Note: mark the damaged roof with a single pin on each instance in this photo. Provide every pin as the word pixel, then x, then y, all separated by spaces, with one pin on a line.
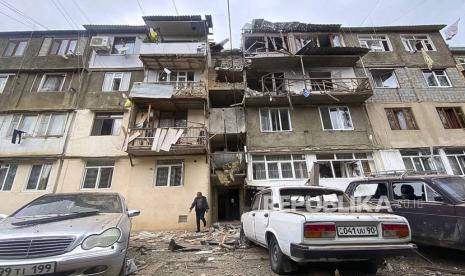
pixel 407 28
pixel 44 33
pixel 178 18
pixel 262 25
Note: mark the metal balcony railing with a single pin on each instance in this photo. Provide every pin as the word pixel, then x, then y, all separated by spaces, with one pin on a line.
pixel 192 137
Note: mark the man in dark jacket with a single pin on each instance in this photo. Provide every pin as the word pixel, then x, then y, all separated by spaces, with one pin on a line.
pixel 201 206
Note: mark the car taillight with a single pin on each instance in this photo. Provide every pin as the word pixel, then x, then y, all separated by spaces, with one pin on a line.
pixel 395 230
pixel 320 231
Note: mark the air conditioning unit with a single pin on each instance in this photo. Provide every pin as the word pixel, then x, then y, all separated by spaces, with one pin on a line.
pixel 100 43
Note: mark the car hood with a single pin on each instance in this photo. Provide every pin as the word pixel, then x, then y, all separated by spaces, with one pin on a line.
pixel 79 228
pixel 336 216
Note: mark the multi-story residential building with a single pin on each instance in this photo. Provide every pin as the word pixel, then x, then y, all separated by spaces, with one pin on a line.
pixel 41 78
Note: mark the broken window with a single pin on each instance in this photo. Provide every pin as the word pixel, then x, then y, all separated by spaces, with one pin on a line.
pixel 116 81
pixel 336 118
pixel 15 48
pixel 273 82
pixel 98 175
pixel 279 167
pixel 63 46
pixel 371 191
pixel 52 82
pixel 254 44
pixel 417 43
pixel 451 117
pixel 376 43
pixel 401 118
pixel 173 119
pixel 107 124
pixel 384 78
pixel 176 76
pixel 123 46
pixel 456 159
pixel 422 160
pixel 414 191
pixel 38 177
pixel 169 173
pixel 7 176
pixel 345 165
pixel 436 78
pixel 275 119
pixel 321 81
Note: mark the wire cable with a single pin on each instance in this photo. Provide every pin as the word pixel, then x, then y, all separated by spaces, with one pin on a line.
pixel 21 14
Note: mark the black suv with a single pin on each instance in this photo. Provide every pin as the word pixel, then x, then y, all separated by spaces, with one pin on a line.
pixel 433 205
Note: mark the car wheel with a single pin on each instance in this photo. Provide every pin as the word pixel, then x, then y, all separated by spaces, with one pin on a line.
pixel 123 268
pixel 280 263
pixel 369 267
pixel 243 240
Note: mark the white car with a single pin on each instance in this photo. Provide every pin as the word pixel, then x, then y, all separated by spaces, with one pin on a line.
pixel 311 223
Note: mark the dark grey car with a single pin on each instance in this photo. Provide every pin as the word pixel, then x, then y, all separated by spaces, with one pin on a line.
pixel 433 205
pixel 70 234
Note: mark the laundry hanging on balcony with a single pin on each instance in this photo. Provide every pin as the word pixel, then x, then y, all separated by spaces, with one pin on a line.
pixel 17 136
pixel 164 138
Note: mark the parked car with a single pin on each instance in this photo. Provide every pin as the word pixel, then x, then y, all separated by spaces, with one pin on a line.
pixel 2 216
pixel 433 205
pixel 78 234
pixel 291 223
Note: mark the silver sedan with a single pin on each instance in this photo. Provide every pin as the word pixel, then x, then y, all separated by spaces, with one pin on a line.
pixel 67 234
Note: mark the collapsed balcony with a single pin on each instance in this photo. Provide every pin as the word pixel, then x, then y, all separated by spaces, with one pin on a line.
pixel 227 168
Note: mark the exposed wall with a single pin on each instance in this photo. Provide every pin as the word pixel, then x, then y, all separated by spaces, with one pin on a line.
pixel 307 132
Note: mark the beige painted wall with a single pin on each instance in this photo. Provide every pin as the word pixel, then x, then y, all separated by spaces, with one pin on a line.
pixel 18 196
pixel 81 143
pixel 430 133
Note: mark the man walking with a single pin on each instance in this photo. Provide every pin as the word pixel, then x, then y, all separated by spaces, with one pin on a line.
pixel 201 207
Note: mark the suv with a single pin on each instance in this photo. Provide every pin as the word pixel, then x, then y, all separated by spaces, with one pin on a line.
pixel 433 205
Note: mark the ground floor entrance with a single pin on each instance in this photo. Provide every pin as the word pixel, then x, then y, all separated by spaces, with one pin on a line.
pixel 229 204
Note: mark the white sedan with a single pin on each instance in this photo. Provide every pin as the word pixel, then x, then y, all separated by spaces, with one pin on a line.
pixel 310 223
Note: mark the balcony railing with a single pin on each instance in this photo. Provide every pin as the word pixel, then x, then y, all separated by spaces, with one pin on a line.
pixel 190 138
pixel 284 86
pixel 168 89
pixel 173 48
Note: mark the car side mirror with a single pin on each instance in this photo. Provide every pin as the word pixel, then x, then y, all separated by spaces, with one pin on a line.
pixel 133 213
pixel 438 198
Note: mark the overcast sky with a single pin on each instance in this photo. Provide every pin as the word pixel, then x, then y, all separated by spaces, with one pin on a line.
pixel 345 12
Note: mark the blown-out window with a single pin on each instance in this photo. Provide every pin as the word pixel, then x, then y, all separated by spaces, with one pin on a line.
pixel 107 124
pixel 52 82
pixel 451 117
pixel 345 165
pixel 336 118
pixel 401 118
pixel 275 119
pixel 376 43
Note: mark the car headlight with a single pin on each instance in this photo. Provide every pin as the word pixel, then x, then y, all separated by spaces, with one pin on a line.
pixel 105 239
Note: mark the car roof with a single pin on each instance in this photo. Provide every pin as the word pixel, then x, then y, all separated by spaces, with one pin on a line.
pixel 416 177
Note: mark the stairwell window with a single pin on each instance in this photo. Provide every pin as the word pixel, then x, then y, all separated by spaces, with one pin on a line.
pixel 107 124
pixel 15 48
pixel 275 119
pixel 384 78
pixel 52 82
pixel 401 118
pixel 116 81
pixel 336 118
pixel 376 43
pixel 279 167
pixel 417 43
pixel 436 78
pixel 451 117
pixel 169 173
pixel 98 175
pixel 38 177
pixel 7 176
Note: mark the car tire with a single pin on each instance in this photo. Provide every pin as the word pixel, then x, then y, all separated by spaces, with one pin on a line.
pixel 280 263
pixel 243 240
pixel 369 267
pixel 123 268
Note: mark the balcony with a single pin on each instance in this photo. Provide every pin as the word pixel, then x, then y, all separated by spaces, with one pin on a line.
pixel 174 55
pixel 321 90
pixel 168 90
pixel 227 168
pixel 167 141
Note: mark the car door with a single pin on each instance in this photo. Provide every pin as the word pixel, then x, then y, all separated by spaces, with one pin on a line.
pixel 430 216
pixel 262 216
pixel 249 218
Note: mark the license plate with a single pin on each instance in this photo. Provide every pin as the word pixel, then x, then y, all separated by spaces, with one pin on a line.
pixel 26 270
pixel 357 231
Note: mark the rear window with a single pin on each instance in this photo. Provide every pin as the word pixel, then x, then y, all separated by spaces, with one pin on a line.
pixel 370 191
pixel 455 186
pixel 313 200
pixel 66 204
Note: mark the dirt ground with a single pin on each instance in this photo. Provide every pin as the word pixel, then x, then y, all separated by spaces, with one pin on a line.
pixel 221 257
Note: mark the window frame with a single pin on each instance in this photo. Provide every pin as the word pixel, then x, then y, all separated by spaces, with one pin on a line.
pixel 17 43
pixel 422 156
pixel 61 40
pixel 369 157
pixel 279 109
pixel 384 69
pixel 96 114
pixel 97 180
pixel 116 75
pixel 408 46
pixel 425 186
pixel 278 162
pixel 47 130
pixel 397 123
pixel 35 128
pixel 456 156
pixel 25 189
pixel 339 118
pixel 44 77
pixel 2 185
pixel 370 37
pixel 3 86
pixel 122 37
pixel 168 184
pixel 425 71
pixel 459 116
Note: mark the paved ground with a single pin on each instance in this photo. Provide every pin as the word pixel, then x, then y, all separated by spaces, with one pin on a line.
pixel 151 254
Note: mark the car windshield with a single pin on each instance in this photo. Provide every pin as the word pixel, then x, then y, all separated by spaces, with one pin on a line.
pixel 71 204
pixel 455 186
pixel 313 199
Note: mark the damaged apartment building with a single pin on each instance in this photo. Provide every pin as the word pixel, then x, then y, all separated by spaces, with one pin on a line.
pixel 159 112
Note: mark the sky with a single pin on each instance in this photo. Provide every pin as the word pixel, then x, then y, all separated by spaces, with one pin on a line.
pixel 71 14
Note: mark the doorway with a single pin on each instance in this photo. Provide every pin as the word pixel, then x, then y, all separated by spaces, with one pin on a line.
pixel 228 205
